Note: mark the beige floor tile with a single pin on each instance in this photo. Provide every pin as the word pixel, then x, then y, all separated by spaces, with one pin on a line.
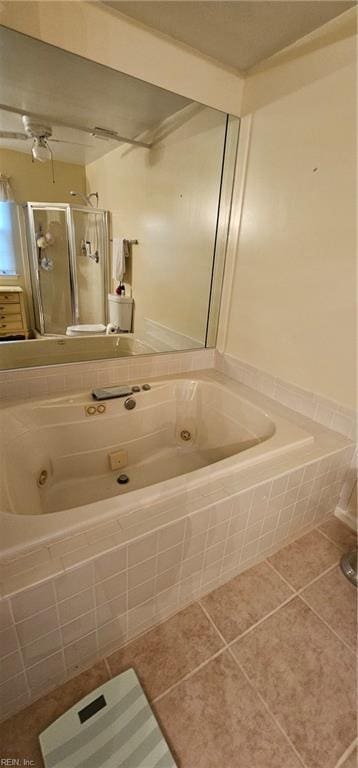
pixel 335 600
pixel 352 760
pixel 306 676
pixel 237 605
pixel 344 537
pixel 214 719
pixel 305 559
pixel 19 734
pixel 170 651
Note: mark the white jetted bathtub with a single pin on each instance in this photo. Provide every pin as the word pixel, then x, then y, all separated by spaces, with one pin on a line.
pixel 63 457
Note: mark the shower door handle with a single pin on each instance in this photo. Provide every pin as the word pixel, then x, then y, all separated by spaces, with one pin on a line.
pixel 73 266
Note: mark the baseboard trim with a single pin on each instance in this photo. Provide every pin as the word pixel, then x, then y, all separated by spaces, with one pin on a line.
pixel 173 339
pixel 346 517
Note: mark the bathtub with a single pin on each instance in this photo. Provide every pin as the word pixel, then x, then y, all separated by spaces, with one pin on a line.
pixel 57 473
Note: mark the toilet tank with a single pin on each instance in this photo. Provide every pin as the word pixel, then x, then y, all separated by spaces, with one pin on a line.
pixel 120 311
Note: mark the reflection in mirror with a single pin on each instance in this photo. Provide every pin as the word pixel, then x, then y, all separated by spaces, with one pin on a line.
pixel 114 208
pixel 69 266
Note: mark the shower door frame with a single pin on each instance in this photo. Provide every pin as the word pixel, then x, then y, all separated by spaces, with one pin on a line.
pixel 71 250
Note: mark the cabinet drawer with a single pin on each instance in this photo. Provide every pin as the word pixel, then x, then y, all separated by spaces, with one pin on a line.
pixel 13 323
pixel 9 309
pixel 9 298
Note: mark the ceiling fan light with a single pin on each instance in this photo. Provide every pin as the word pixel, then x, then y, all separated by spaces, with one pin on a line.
pixel 40 150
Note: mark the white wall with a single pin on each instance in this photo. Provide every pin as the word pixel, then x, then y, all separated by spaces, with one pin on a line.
pixel 167 198
pixel 33 181
pixel 293 307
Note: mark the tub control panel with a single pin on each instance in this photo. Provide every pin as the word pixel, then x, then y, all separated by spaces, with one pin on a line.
pixel 109 393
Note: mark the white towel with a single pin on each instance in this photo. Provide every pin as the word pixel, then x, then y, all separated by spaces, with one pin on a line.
pixel 119 254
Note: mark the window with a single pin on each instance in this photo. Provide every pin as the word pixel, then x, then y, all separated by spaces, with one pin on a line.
pixel 10 242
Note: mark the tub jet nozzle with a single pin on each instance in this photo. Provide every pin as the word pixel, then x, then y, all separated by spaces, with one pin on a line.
pixel 185 435
pixel 41 480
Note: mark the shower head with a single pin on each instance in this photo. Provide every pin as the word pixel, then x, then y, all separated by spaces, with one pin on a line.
pixel 85 198
pixel 79 194
pixel 93 194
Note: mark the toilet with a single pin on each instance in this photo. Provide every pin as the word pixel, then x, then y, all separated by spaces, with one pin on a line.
pixel 120 311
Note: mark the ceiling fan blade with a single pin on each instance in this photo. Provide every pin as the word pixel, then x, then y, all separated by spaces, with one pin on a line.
pixel 64 141
pixel 108 135
pixel 13 135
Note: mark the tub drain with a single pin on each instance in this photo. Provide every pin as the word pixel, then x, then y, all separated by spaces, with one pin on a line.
pixel 122 479
pixel 185 435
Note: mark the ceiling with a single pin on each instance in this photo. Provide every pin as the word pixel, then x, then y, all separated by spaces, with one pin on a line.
pixel 41 79
pixel 240 33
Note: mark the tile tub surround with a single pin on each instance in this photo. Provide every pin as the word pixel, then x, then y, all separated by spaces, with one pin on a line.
pixel 51 630
pixel 50 380
pixel 327 412
pixel 322 410
pixel 217 699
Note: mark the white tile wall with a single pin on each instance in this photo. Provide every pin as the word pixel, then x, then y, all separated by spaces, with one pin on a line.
pixel 327 412
pixel 75 377
pixel 322 410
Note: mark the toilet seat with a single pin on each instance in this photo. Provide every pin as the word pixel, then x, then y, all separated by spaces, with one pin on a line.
pixel 85 330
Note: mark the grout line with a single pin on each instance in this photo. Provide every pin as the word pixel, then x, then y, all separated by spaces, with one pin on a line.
pixel 346 754
pixel 19 647
pixel 301 589
pixel 327 625
pixel 213 623
pixel 264 703
pixel 32 615
pixel 317 578
pixel 45 658
pixel 260 621
pixel 294 591
pixel 329 538
pixel 94 601
pixel 62 649
pixel 108 669
pixel 188 675
pixel 71 621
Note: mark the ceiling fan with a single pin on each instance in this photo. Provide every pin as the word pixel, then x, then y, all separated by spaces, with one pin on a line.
pixel 40 134
pixel 36 128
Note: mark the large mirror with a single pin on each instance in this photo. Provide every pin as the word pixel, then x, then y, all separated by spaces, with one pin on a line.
pixel 114 207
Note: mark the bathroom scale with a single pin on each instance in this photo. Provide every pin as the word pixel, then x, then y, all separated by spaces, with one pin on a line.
pixel 112 727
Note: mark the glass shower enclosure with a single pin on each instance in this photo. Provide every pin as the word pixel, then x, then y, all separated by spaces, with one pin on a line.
pixel 68 250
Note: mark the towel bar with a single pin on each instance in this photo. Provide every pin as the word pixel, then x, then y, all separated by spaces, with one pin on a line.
pixel 131 242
